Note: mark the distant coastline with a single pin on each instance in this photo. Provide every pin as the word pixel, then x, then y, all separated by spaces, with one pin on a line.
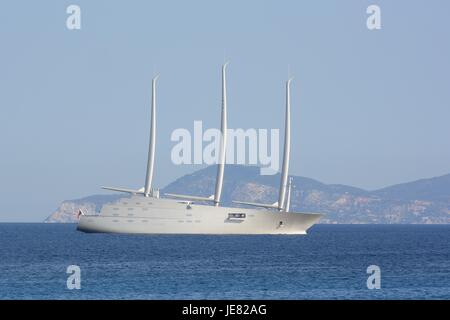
pixel 425 201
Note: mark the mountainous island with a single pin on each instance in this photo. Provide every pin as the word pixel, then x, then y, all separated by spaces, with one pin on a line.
pixel 425 201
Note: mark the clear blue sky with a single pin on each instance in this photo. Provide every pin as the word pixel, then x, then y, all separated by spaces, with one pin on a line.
pixel 371 108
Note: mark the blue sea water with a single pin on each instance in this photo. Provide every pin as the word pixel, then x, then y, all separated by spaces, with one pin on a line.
pixel 329 263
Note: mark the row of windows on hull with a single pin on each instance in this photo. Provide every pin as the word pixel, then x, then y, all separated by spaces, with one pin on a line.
pixel 180 221
pixel 134 204
pixel 236 216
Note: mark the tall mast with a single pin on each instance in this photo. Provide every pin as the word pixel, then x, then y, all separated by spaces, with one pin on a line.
pixel 151 147
pixel 287 148
pixel 223 140
pixel 222 152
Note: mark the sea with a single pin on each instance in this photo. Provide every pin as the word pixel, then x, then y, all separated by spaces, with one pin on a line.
pixel 54 261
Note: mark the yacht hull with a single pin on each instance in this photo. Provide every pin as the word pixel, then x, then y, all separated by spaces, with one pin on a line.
pixel 141 215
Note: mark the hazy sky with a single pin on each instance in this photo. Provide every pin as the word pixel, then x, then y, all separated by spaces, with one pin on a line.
pixel 370 108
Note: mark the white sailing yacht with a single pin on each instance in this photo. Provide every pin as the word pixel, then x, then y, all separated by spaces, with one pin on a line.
pixel 145 212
